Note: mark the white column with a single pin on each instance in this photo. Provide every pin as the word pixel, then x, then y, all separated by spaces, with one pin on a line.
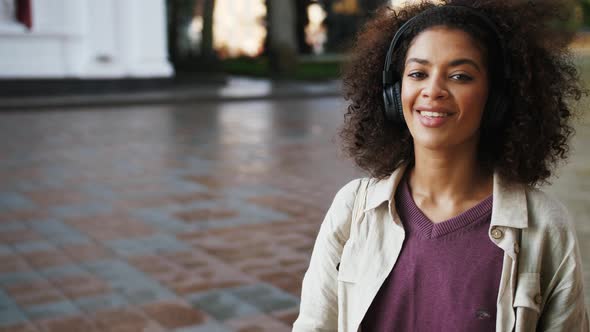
pixel 142 37
pixel 153 48
pixel 125 19
pixel 75 42
pixel 105 58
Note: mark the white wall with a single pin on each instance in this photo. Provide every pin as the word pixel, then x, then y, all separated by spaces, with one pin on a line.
pixel 87 39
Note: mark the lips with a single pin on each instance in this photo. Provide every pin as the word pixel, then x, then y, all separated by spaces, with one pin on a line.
pixel 434 114
pixel 433 117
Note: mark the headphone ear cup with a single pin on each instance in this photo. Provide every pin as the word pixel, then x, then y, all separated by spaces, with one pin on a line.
pixel 397 101
pixel 389 103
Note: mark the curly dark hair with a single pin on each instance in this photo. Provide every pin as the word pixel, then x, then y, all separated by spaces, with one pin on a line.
pixel 535 132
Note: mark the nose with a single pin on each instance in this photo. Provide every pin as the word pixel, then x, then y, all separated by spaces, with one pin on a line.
pixel 435 88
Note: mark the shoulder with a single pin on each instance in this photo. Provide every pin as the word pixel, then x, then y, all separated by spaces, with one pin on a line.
pixel 346 195
pixel 546 210
pixel 339 215
pixel 549 217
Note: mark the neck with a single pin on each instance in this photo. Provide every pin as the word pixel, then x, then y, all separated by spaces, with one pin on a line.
pixel 449 175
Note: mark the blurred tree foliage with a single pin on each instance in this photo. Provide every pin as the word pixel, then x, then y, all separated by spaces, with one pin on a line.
pixel 584 13
pixel 571 16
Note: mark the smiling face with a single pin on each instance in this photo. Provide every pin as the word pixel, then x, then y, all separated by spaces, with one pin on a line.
pixel 444 89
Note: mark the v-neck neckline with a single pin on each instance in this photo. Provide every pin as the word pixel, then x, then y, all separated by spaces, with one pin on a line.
pixel 424 226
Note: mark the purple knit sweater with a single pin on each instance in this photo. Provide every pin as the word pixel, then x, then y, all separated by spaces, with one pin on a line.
pixel 446 277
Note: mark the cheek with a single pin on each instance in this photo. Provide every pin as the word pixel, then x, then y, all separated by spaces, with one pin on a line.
pixel 408 97
pixel 475 103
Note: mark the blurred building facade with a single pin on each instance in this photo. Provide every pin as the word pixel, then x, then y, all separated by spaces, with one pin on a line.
pixel 83 39
pixel 96 39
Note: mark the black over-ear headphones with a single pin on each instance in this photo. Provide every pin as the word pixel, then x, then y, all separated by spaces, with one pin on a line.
pixel 497 100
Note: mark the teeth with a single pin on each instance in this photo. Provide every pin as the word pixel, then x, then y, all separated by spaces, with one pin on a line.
pixel 434 114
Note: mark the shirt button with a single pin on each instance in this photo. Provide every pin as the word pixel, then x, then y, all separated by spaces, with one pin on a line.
pixel 538 299
pixel 516 248
pixel 497 233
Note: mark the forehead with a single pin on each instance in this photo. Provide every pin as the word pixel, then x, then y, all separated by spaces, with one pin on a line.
pixel 444 42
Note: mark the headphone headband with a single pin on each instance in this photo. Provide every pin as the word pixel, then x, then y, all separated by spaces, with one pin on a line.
pixel 388 78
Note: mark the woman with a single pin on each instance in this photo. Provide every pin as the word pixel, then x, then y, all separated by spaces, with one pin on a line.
pixel 457 111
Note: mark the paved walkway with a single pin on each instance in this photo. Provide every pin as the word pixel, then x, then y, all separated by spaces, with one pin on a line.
pixel 197 217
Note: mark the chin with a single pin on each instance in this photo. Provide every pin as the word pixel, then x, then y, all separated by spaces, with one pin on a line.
pixel 438 142
pixel 432 142
pixel 435 146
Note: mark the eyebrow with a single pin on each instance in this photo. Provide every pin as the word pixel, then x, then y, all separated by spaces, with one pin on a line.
pixel 453 63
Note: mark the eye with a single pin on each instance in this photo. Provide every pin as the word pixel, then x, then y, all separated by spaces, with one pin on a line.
pixel 462 77
pixel 417 75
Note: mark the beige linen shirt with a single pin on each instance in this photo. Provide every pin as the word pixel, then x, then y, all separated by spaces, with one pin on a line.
pixel 541 284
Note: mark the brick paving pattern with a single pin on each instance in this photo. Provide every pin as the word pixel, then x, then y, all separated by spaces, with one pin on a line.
pixel 163 218
pixel 189 218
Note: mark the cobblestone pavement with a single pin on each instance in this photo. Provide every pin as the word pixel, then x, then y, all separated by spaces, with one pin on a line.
pixel 176 218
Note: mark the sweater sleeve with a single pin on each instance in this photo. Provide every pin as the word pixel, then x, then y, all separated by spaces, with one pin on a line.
pixel 319 295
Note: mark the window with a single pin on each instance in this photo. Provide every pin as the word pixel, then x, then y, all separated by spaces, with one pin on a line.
pixel 14 14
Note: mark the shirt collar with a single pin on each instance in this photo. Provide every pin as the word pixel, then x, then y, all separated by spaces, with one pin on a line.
pixel 384 190
pixel 509 207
